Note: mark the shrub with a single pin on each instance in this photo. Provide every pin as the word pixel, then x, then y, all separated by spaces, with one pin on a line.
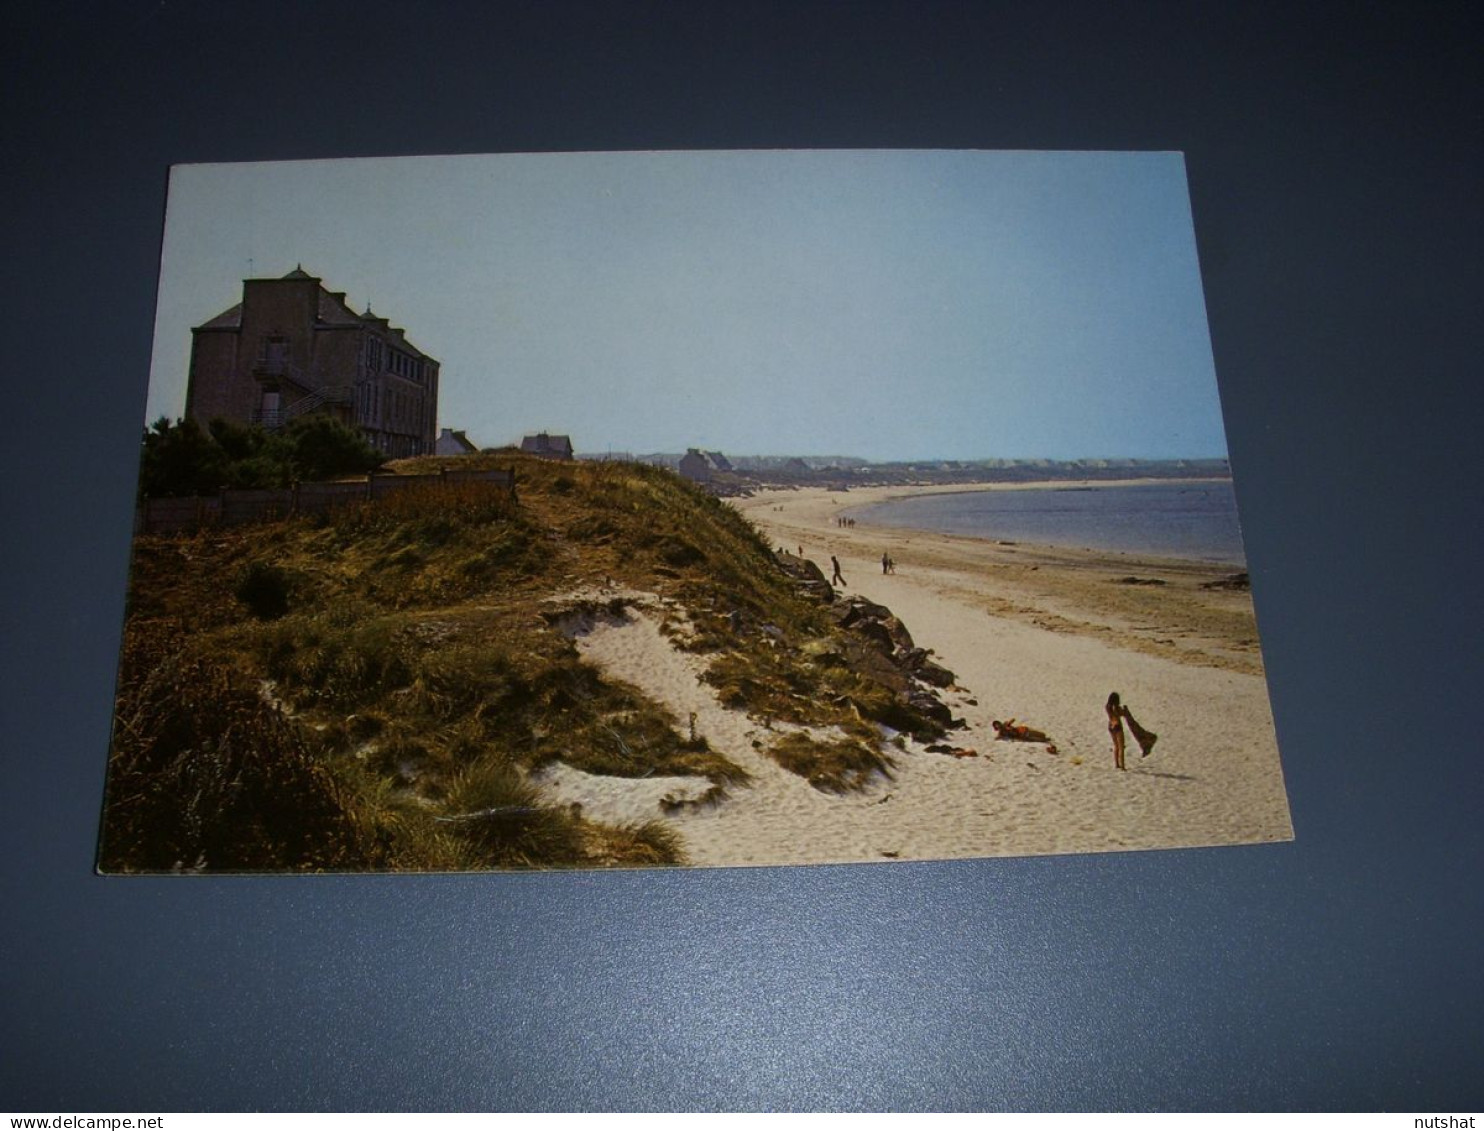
pixel 204 775
pixel 831 767
pixel 492 807
pixel 649 845
pixel 317 446
pixel 182 458
pixel 264 589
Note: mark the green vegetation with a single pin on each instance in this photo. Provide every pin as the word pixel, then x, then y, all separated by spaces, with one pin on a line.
pixel 375 688
pixel 184 459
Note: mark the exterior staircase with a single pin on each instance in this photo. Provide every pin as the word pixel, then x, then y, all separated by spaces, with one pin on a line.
pixel 326 394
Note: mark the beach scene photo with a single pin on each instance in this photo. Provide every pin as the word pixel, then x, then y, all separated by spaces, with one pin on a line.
pixel 712 509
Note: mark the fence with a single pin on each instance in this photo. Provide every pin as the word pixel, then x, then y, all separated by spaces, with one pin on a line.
pixel 234 507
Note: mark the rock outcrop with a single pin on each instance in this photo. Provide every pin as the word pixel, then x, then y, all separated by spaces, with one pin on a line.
pixel 877 645
pixel 886 653
pixel 810 578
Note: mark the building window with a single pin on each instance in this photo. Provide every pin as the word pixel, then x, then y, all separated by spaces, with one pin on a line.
pixel 275 354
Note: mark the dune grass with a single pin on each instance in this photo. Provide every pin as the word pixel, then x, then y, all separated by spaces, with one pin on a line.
pixel 206 776
pixel 372 688
pixel 831 766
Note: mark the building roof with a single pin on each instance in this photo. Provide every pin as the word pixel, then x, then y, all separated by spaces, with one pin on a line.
pixel 459 438
pixel 230 319
pixel 545 442
pixel 332 312
pixel 707 459
pixel 713 460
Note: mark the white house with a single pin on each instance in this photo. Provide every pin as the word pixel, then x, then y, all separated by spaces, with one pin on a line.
pixel 451 443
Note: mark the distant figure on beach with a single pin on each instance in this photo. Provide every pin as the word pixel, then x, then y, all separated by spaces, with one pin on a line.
pixel 1118 714
pixel 834 561
pixel 891 565
pixel 885 563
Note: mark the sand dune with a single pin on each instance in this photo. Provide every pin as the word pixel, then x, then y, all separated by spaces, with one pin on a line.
pixel 1041 635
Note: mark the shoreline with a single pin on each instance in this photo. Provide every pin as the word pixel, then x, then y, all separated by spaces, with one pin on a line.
pixel 1043 634
pixel 1035 634
pixel 893 494
pixel 1142 602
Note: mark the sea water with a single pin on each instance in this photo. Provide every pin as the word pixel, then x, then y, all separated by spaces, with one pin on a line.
pixel 1192 520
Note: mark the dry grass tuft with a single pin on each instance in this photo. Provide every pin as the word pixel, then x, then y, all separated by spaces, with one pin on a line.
pixel 204 775
pixel 839 766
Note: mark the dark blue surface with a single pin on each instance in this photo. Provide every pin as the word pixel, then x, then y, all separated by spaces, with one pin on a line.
pixel 1196 521
pixel 1335 166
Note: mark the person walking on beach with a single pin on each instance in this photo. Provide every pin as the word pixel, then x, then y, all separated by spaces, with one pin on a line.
pixel 834 561
pixel 1118 714
pixel 885 564
pixel 1115 728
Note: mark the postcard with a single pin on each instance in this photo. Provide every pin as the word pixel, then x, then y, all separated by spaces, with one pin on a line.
pixel 613 510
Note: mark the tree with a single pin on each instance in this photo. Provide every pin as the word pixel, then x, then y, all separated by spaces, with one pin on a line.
pixel 321 447
pixel 180 459
pixel 252 460
pixel 184 459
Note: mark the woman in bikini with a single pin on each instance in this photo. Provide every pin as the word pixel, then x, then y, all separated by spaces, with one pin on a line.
pixel 1115 728
pixel 1118 714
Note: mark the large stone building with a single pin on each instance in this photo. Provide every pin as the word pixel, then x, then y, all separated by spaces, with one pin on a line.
pixel 291 347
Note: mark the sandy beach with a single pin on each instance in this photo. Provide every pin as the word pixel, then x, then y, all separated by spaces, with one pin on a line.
pixel 1032 633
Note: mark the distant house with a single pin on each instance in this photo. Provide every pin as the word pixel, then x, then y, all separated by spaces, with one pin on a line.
pixel 547 446
pixel 451 443
pixel 701 467
pixel 291 348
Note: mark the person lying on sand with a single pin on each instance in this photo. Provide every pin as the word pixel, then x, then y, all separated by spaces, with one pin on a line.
pixel 1011 731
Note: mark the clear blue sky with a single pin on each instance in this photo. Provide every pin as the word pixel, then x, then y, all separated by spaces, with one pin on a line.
pixel 885 304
